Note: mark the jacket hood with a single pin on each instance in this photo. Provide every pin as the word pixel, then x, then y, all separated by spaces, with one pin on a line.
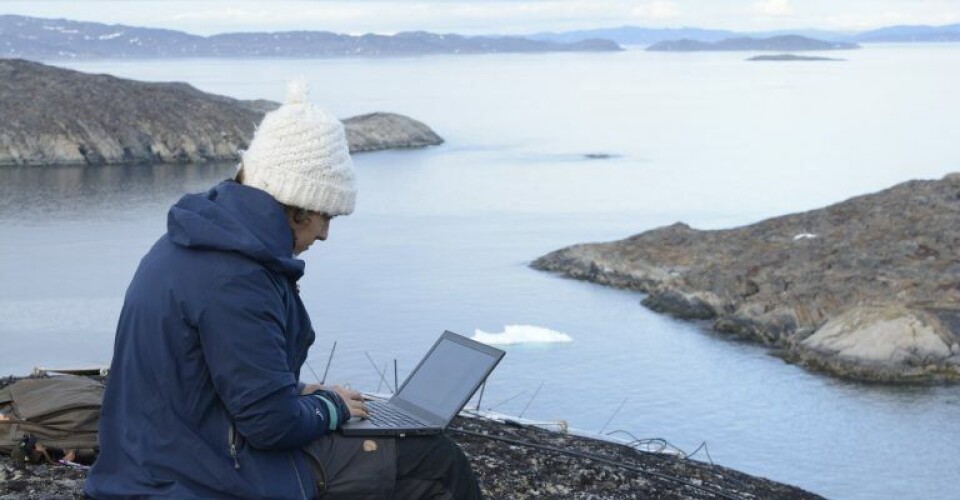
pixel 232 217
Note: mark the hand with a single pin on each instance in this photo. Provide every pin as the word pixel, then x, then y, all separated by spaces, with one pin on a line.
pixel 311 388
pixel 353 399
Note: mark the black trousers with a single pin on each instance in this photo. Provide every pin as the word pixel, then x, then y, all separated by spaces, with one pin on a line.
pixel 413 467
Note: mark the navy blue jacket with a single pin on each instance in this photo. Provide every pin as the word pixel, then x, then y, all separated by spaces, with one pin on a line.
pixel 202 399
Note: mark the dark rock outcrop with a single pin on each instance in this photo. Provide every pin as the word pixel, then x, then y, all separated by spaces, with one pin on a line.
pixel 866 289
pixel 55 116
pixel 778 43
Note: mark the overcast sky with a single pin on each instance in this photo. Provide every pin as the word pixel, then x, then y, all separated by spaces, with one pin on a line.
pixel 491 16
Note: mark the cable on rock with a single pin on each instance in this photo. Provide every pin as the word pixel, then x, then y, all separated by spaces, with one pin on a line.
pixel 588 456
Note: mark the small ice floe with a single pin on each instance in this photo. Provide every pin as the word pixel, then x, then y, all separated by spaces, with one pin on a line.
pixel 521 334
pixel 804 236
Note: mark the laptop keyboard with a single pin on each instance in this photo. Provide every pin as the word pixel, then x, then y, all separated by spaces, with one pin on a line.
pixel 382 414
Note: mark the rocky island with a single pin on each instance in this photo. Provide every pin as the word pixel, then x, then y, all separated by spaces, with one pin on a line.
pixel 866 289
pixel 790 43
pixel 55 116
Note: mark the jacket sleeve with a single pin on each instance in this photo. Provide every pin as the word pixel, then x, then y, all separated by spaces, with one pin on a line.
pixel 242 333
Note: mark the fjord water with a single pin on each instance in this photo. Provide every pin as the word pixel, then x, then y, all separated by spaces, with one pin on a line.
pixel 442 237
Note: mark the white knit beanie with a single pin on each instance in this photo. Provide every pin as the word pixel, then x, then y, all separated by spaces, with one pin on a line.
pixel 299 154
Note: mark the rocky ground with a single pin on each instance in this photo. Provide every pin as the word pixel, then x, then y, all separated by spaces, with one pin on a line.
pixel 866 289
pixel 527 462
pixel 40 481
pixel 512 463
pixel 55 116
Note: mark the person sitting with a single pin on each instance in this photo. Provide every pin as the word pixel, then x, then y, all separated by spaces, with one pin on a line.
pixel 204 397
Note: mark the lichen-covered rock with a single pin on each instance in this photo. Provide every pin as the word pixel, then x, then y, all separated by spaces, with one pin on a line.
pixel 779 280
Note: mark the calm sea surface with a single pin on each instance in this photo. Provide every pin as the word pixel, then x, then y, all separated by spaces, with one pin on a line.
pixel 442 238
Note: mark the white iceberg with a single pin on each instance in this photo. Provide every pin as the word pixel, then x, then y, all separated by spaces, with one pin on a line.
pixel 521 334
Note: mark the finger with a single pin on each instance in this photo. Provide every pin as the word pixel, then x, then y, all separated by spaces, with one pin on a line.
pixel 351 395
pixel 346 392
pixel 359 413
pixel 358 405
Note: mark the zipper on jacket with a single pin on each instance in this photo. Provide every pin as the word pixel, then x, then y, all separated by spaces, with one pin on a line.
pixel 232 440
pixel 303 493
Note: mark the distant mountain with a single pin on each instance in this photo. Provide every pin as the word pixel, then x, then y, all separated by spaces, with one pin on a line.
pixel 632 35
pixel 830 36
pixel 36 38
pixel 777 43
pixel 948 33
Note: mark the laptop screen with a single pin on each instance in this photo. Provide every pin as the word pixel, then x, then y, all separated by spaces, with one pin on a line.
pixel 448 376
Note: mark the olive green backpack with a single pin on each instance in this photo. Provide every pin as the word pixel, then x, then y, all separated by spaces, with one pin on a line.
pixel 60 412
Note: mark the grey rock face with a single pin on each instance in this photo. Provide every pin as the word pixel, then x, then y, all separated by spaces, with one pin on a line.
pixel 377 131
pixel 786 281
pixel 882 342
pixel 53 116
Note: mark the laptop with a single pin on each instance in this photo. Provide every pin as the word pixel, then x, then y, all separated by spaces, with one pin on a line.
pixel 434 393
